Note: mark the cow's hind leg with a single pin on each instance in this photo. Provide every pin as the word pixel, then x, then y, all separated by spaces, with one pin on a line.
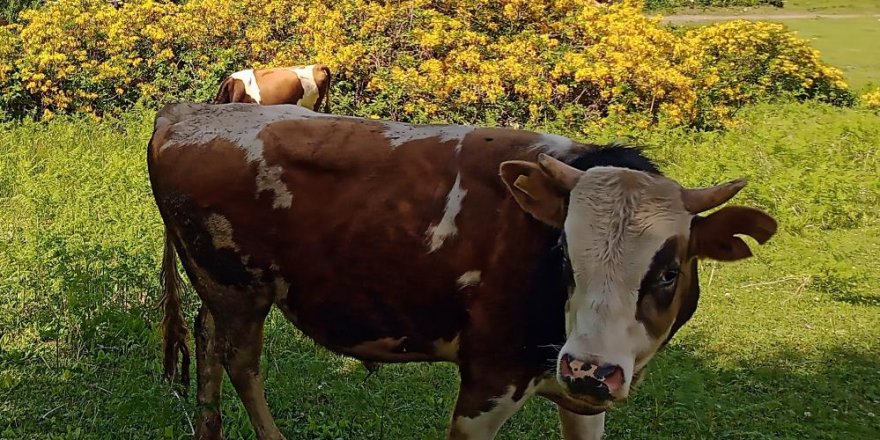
pixel 242 340
pixel 209 424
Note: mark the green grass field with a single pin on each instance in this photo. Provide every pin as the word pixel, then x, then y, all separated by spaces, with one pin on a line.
pixel 850 44
pixel 792 6
pixel 847 43
pixel 834 6
pixel 784 345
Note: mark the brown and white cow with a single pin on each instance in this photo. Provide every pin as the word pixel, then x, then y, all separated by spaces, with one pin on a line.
pixel 307 86
pixel 389 242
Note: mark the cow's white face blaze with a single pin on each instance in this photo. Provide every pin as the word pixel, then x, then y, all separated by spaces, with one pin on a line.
pixel 626 233
pixel 631 239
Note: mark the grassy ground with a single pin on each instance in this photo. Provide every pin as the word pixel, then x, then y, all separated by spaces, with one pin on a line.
pixel 784 345
pixel 834 6
pixel 850 44
pixel 792 6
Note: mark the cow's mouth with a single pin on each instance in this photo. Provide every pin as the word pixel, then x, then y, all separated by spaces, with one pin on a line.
pixel 582 404
pixel 588 406
pixel 592 401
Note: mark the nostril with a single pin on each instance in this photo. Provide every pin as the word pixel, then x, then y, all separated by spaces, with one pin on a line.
pixel 565 366
pixel 602 372
pixel 613 377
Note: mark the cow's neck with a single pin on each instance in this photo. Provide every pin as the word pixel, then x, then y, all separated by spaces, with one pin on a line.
pixel 526 288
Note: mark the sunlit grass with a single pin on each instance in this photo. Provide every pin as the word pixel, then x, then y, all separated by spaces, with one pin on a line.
pixel 783 346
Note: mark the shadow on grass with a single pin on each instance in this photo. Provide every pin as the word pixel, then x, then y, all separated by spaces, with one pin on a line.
pixel 781 394
pixel 858 299
pixel 847 289
pixel 116 392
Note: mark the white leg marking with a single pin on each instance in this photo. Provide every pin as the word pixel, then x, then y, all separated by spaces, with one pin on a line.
pixel 469 278
pixel 578 427
pixel 250 83
pixel 553 144
pixel 487 424
pixel 310 87
pixel 398 133
pixel 437 234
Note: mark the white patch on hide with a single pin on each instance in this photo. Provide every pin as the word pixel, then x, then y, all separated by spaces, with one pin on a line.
pixel 306 76
pixel 240 124
pixel 437 234
pixel 221 232
pixel 553 144
pixel 399 133
pixel 469 278
pixel 250 83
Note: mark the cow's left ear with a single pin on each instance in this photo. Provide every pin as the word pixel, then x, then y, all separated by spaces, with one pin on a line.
pixel 540 190
pixel 715 236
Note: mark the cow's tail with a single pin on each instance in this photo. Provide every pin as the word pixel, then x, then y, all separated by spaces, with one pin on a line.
pixel 327 93
pixel 223 95
pixel 174 330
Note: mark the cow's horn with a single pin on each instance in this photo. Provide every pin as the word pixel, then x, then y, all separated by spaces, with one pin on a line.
pixel 697 200
pixel 564 175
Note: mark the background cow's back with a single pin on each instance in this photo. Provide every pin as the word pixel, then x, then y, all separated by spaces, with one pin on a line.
pixel 307 86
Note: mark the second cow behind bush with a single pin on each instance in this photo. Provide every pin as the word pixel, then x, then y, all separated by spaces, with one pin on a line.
pixel 307 86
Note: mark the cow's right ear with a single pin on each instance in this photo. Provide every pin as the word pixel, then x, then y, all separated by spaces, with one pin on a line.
pixel 715 236
pixel 535 191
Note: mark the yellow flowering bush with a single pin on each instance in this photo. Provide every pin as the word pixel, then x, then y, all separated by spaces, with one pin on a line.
pixel 9 78
pixel 746 61
pixel 871 99
pixel 478 61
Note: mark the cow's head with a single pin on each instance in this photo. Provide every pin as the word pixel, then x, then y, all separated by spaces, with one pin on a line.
pixel 632 239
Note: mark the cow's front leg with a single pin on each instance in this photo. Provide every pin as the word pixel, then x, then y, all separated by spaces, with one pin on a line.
pixel 479 413
pixel 578 427
pixel 484 404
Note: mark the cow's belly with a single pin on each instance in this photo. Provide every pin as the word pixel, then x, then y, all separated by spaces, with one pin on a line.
pixel 372 339
pixel 363 281
pixel 392 349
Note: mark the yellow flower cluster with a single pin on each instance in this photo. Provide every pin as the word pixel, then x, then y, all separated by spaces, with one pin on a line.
pixel 871 99
pixel 490 61
pixel 744 61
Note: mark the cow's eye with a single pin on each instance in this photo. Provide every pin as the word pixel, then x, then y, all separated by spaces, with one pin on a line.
pixel 668 277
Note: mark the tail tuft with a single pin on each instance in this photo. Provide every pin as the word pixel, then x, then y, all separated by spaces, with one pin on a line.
pixel 173 325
